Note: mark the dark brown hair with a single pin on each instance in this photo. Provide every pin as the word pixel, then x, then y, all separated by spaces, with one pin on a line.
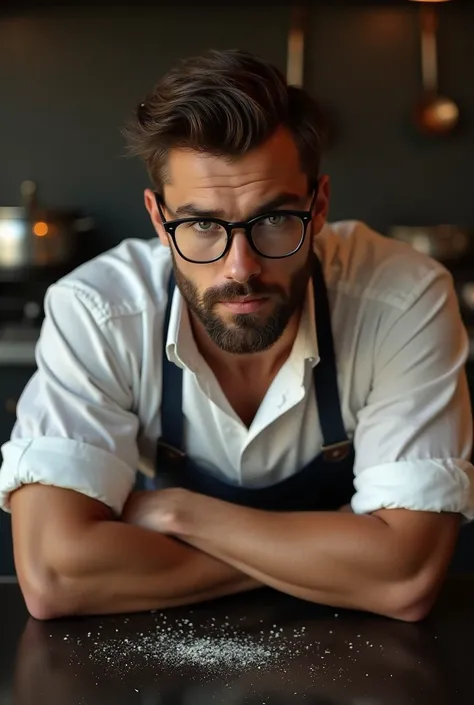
pixel 223 103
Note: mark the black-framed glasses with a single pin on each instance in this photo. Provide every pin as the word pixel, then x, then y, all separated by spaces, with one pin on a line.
pixel 275 235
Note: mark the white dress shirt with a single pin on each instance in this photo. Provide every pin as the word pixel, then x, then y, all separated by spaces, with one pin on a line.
pixel 90 415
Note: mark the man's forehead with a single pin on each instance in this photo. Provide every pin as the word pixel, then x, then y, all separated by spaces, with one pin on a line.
pixel 208 183
pixel 278 155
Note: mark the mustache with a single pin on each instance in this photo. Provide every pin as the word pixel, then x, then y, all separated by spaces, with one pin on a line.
pixel 235 290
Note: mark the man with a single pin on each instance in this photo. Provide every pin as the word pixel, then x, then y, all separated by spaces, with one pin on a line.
pixel 297 402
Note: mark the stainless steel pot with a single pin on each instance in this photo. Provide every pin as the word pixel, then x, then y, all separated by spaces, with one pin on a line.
pixel 31 236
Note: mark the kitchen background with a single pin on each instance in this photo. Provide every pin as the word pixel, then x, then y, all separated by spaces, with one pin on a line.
pixel 70 76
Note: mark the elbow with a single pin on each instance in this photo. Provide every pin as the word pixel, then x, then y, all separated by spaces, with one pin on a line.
pixel 46 605
pixel 412 611
pixel 47 597
pixel 409 603
pixel 40 608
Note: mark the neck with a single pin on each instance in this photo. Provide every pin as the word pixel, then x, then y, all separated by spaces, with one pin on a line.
pixel 260 365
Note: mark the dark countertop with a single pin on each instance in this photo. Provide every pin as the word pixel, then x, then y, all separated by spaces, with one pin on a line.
pixel 328 656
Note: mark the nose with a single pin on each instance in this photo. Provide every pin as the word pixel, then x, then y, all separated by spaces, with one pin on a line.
pixel 241 262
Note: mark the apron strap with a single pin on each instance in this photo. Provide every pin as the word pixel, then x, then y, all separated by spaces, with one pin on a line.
pixel 336 443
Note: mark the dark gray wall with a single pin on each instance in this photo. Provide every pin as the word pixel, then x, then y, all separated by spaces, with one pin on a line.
pixel 69 78
pixel 365 65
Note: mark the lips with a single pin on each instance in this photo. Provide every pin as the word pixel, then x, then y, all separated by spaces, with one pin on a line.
pixel 243 299
pixel 245 304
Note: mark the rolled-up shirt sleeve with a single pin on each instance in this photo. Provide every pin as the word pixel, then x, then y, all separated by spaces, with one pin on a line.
pixel 75 427
pixel 414 435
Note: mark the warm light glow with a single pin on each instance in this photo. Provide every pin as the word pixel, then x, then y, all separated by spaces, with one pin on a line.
pixel 448 112
pixel 40 229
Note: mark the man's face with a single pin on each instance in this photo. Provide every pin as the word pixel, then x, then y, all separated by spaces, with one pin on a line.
pixel 244 301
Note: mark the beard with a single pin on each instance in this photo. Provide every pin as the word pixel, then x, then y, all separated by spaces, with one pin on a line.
pixel 245 332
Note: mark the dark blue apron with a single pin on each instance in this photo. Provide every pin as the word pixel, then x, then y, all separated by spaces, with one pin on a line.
pixel 325 484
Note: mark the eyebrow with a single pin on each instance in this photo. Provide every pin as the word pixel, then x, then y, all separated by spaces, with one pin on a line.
pixel 282 199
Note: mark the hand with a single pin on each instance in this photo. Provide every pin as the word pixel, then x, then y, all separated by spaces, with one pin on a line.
pixel 139 509
pixel 160 510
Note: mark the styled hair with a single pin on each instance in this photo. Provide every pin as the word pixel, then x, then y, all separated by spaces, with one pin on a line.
pixel 223 103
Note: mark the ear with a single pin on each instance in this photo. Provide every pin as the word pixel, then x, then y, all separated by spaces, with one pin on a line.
pixel 152 208
pixel 321 208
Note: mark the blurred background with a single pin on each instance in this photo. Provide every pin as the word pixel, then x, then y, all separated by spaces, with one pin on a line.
pixel 399 155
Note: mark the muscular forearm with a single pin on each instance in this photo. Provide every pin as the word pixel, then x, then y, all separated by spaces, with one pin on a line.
pixel 73 558
pixel 122 568
pixel 335 558
pixel 287 553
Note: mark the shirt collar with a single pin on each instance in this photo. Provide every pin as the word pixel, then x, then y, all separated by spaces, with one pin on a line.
pixel 305 348
pixel 181 348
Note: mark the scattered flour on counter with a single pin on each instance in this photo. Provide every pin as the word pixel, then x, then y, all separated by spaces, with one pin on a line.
pixel 209 648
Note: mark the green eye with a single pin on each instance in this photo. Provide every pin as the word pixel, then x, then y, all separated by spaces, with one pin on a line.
pixel 204 225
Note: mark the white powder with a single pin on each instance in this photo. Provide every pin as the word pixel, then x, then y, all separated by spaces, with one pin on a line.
pixel 179 645
pixel 205 649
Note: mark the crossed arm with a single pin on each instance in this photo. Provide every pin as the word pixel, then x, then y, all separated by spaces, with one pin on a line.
pixel 174 547
pixel 391 562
